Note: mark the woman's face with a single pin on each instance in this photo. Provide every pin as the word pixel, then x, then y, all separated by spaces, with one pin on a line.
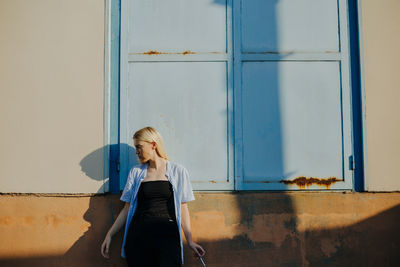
pixel 144 150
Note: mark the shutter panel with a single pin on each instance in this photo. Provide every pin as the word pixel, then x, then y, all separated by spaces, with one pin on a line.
pixel 175 76
pixel 295 95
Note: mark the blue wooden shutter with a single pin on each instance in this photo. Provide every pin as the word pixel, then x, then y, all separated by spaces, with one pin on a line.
pixel 176 76
pixel 292 72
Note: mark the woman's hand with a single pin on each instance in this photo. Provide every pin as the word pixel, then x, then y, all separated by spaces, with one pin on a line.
pixel 198 250
pixel 106 246
pixel 119 222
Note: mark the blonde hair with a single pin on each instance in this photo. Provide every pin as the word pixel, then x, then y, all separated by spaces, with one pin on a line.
pixel 150 135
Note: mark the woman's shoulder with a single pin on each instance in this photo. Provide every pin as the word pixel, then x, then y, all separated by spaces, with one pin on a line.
pixel 136 170
pixel 181 176
pixel 137 167
pixel 176 167
pixel 179 172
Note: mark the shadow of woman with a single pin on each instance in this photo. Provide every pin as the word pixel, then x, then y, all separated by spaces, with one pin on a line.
pixel 92 165
pixel 101 214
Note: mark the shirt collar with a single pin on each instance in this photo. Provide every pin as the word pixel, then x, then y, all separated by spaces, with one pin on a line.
pixel 167 172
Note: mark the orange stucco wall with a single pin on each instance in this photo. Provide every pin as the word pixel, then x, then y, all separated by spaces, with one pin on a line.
pixel 236 229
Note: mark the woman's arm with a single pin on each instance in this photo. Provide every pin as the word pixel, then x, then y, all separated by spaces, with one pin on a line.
pixel 187 231
pixel 119 222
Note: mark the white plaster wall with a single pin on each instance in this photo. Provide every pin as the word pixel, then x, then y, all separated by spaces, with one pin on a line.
pixel 51 95
pixel 381 41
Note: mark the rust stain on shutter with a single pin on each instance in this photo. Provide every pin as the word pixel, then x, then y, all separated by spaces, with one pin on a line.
pixel 154 52
pixel 188 52
pixel 303 182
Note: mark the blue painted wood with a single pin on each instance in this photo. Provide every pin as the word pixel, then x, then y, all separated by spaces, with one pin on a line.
pixel 178 57
pixel 292 124
pixel 263 88
pixel 230 95
pixel 289 26
pixel 107 92
pixel 113 146
pixel 295 99
pixel 362 107
pixel 124 138
pixel 175 26
pixel 176 75
pixel 191 113
pixel 237 81
pixel 358 138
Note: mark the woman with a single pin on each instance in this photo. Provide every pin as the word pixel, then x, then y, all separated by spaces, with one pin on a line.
pixel 156 195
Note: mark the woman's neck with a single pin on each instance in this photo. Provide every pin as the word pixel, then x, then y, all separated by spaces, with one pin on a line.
pixel 157 163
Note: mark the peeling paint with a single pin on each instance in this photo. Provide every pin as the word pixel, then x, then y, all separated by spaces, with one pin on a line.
pixel 303 182
pixel 53 220
pixel 266 228
pixel 329 246
pixel 16 220
pixel 5 220
pixel 221 229
pixel 28 220
pixel 154 52
pixel 270 228
pixel 235 229
pixel 188 52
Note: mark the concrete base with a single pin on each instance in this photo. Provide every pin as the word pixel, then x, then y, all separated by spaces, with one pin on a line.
pixel 236 229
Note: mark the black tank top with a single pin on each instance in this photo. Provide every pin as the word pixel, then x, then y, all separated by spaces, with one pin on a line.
pixel 155 200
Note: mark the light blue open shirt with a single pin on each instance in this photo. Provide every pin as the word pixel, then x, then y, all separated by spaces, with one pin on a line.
pixel 177 175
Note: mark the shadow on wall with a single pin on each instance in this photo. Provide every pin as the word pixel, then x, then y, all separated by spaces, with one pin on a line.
pixel 92 164
pixel 371 242
pixel 244 229
pixel 85 251
pixel 265 234
pixel 102 212
pixel 270 236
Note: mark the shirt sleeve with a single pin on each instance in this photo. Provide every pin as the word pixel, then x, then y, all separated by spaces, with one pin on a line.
pixel 128 189
pixel 187 191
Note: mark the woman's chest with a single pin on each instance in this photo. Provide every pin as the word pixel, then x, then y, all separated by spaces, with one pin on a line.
pixel 152 175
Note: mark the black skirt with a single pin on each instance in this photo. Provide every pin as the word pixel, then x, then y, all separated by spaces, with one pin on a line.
pixel 153 242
